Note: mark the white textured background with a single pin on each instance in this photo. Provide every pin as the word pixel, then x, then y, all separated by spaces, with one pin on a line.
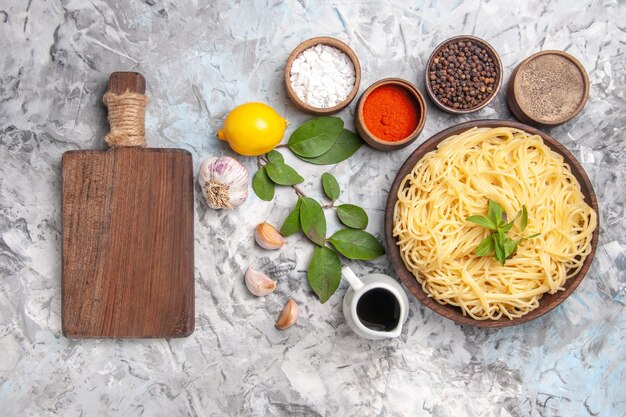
pixel 200 59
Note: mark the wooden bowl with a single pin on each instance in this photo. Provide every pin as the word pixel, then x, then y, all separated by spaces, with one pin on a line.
pixel 369 137
pixel 336 43
pixel 548 301
pixel 490 51
pixel 514 89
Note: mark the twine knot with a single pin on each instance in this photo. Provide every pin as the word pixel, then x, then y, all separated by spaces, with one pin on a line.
pixel 127 118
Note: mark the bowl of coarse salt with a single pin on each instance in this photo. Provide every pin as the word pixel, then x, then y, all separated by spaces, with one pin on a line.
pixel 322 75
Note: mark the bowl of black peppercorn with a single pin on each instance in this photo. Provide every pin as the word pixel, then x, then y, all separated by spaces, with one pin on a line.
pixel 463 74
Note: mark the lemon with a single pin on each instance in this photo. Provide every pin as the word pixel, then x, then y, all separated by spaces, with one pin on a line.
pixel 253 129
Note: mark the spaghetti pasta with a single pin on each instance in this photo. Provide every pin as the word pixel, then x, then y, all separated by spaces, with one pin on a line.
pixel 512 168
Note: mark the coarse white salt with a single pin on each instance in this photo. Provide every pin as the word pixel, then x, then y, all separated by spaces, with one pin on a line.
pixel 322 76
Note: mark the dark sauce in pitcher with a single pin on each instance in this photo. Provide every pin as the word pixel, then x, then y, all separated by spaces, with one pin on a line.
pixel 378 309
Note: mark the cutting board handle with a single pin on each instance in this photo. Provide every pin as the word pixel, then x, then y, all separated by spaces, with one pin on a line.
pixel 126 103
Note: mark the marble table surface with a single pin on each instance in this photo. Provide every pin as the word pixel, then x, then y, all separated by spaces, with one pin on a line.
pixel 201 58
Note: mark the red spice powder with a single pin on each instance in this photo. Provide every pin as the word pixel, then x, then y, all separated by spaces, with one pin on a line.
pixel 391 113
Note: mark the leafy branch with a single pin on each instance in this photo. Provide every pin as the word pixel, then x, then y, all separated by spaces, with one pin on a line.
pixel 497 242
pixel 322 140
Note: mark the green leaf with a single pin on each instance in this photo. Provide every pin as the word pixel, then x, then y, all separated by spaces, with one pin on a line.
pixel 482 221
pixel 262 185
pixel 485 247
pixel 347 144
pixel 313 221
pixel 283 174
pixel 510 247
pixel 331 186
pixel 291 225
pixel 499 249
pixel 356 244
pixel 324 272
pixel 352 216
pixel 316 136
pixel 275 156
pixel 494 212
pixel 524 221
pixel 507 226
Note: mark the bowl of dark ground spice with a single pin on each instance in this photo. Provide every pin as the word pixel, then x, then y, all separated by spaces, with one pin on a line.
pixel 463 74
pixel 548 88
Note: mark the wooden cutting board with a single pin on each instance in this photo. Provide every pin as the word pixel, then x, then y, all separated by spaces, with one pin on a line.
pixel 128 257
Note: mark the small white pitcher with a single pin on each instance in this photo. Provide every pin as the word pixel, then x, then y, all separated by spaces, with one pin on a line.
pixel 358 288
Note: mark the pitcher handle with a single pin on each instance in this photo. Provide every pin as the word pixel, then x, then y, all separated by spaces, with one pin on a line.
pixel 352 279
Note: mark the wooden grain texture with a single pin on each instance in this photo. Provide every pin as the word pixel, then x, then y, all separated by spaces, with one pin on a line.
pixel 128 258
pixel 549 301
pixel 491 51
pixel 120 82
pixel 369 137
pixel 335 43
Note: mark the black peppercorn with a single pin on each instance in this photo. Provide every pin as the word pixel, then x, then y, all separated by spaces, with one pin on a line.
pixel 463 75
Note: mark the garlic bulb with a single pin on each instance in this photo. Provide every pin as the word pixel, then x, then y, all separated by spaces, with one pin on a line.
pixel 268 237
pixel 258 283
pixel 289 316
pixel 224 182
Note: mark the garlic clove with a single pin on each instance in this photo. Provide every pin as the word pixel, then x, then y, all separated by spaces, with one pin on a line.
pixel 224 182
pixel 268 237
pixel 258 283
pixel 289 316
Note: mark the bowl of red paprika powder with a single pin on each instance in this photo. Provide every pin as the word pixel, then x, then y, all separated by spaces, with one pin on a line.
pixel 390 114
